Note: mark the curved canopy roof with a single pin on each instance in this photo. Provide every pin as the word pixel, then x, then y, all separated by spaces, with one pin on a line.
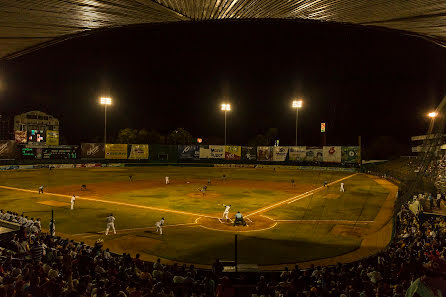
pixel 26 25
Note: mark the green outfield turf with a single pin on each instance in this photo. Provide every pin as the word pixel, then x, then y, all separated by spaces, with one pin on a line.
pixel 287 233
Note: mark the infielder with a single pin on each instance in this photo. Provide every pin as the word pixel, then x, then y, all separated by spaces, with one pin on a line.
pixel 167 180
pixel 159 226
pixel 73 199
pixel 325 183
pixel 226 212
pixel 41 190
pixel 110 224
pixel 341 189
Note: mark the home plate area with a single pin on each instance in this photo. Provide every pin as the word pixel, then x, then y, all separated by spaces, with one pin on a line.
pixel 256 223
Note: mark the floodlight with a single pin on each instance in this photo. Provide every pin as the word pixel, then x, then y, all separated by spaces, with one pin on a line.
pixel 432 114
pixel 297 103
pixel 226 107
pixel 106 101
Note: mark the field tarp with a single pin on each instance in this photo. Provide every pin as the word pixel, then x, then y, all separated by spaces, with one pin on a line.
pixel 297 153
pixel 314 154
pixel 205 153
pixel 332 154
pixel 93 150
pixel 233 152
pixel 350 154
pixel 280 153
pixel 189 152
pixel 217 151
pixel 115 151
pixel 138 151
pixel 249 153
pixel 264 153
pixel 7 149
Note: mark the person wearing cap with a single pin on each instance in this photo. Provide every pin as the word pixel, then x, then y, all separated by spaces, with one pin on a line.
pixel 159 226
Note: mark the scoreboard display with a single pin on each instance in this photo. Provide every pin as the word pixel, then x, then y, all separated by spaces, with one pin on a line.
pixel 49 153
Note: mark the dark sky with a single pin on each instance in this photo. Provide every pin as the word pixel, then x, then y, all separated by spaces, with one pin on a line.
pixel 359 81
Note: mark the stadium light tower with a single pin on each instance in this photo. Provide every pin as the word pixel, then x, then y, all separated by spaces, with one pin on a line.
pixel 105 101
pixel 297 104
pixel 432 114
pixel 225 107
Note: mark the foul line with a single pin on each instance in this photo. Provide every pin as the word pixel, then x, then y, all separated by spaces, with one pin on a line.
pixel 135 229
pixel 113 202
pixel 298 197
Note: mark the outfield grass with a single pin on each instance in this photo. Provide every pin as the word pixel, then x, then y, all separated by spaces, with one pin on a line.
pixel 246 189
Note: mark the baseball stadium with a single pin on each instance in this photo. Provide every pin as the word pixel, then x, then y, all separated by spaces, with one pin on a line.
pixel 222 148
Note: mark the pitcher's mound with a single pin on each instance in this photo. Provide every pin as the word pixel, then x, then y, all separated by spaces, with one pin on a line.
pixel 55 203
pixel 332 196
pixel 200 195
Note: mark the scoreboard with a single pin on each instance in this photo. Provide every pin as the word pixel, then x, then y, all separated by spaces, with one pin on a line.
pixel 49 153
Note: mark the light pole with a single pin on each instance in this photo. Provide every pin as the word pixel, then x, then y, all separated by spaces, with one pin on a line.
pixel 105 101
pixel 225 107
pixel 297 104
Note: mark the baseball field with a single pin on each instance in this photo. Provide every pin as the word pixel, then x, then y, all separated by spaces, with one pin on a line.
pixel 286 222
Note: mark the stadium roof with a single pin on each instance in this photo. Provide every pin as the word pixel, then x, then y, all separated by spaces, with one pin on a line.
pixel 26 25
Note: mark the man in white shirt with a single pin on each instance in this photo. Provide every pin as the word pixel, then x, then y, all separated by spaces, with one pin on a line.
pixel 73 199
pixel 341 189
pixel 110 224
pixel 159 226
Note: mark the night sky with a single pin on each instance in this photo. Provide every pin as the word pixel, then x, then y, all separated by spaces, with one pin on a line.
pixel 360 81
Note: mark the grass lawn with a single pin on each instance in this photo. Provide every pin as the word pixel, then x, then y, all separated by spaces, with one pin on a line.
pixel 246 189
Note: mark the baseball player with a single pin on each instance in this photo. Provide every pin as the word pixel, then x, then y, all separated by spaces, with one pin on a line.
pixel 226 212
pixel 159 226
pixel 292 183
pixel 41 189
pixel 341 189
pixel 130 177
pixel 167 180
pixel 325 183
pixel 73 199
pixel 110 224
pixel 203 190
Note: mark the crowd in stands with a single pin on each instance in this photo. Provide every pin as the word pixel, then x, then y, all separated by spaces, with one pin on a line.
pixel 36 264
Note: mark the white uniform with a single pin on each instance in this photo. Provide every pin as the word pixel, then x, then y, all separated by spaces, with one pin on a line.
pixel 159 226
pixel 41 189
pixel 73 199
pixel 226 212
pixel 341 189
pixel 110 224
pixel 167 180
pixel 54 229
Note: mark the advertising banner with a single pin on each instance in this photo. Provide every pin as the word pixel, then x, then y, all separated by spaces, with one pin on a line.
pixel 217 151
pixel 314 154
pixel 115 151
pixel 249 153
pixel 280 153
pixel 138 151
pixel 60 152
pixel 297 153
pixel 52 137
pixel 189 152
pixel 233 152
pixel 264 153
pixel 93 150
pixel 332 154
pixel 7 149
pixel 350 154
pixel 20 136
pixel 205 153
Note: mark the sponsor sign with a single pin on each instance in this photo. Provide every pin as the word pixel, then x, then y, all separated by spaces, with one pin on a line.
pixel 314 154
pixel 332 154
pixel 205 153
pixel 249 153
pixel 189 152
pixel 20 136
pixel 139 151
pixel 280 153
pixel 7 149
pixel 115 151
pixel 233 152
pixel 264 153
pixel 93 150
pixel 52 137
pixel 350 154
pixel 297 153
pixel 322 127
pixel 217 151
pixel 62 152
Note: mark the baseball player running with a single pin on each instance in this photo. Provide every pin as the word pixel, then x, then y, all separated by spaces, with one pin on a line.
pixel 341 189
pixel 167 180
pixel 159 226
pixel 226 212
pixel 73 199
pixel 110 224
